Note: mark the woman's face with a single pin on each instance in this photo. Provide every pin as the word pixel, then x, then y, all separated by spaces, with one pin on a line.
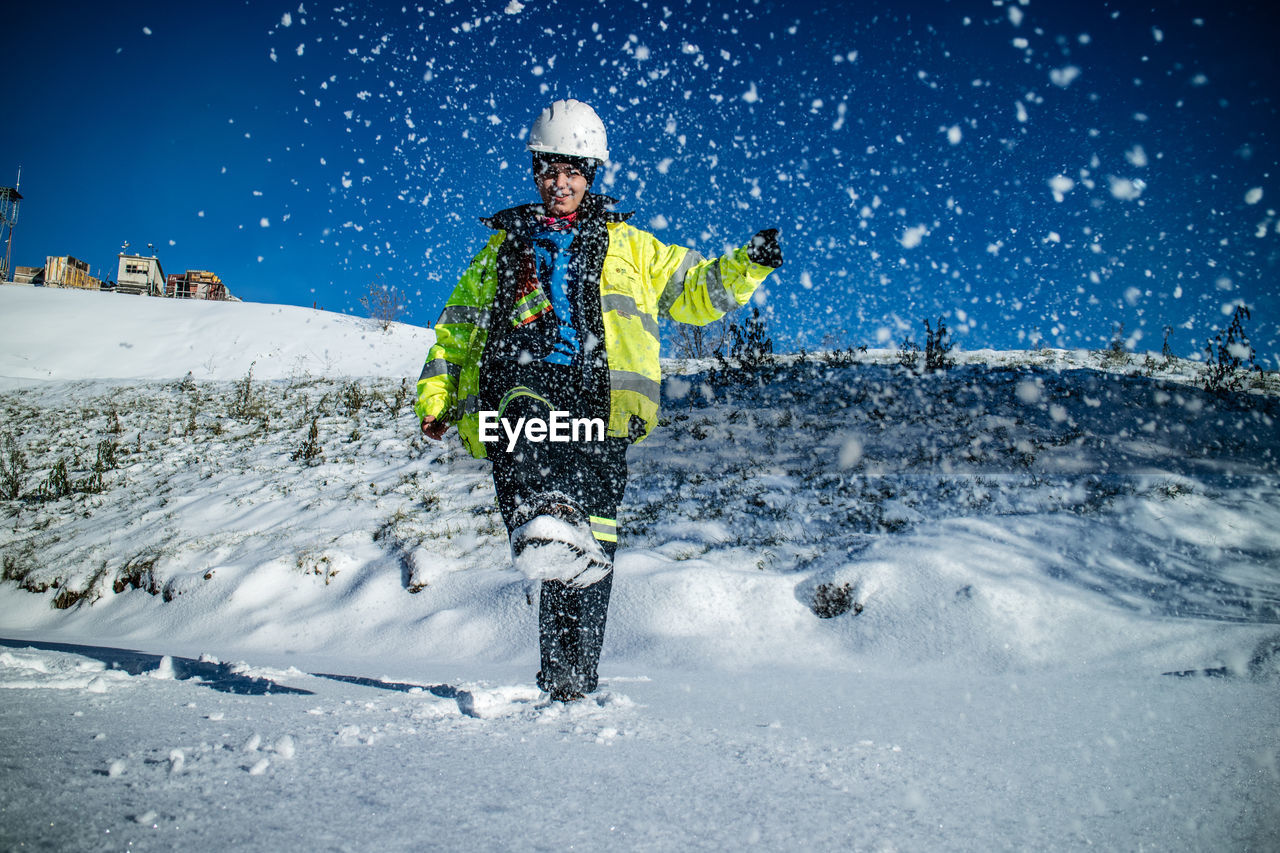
pixel 562 188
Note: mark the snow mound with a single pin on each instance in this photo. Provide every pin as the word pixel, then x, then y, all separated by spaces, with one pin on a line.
pixel 55 334
pixel 33 669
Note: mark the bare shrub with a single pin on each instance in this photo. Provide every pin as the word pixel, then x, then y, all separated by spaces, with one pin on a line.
pixel 13 469
pixel 909 354
pixel 831 600
pixel 1228 362
pixel 1116 352
pixel 58 483
pixel 937 347
pixel 246 403
pixel 353 399
pixel 750 353
pixel 689 341
pixel 382 304
pixel 309 451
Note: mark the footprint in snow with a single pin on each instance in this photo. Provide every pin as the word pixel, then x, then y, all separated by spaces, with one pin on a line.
pixel 487 703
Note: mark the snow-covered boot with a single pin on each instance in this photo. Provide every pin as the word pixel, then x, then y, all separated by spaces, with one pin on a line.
pixel 555 543
pixel 566 694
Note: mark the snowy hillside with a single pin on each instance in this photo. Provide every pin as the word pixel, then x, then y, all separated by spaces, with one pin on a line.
pixel 53 334
pixel 1012 605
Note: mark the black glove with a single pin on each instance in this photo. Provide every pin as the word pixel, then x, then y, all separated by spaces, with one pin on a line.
pixel 764 249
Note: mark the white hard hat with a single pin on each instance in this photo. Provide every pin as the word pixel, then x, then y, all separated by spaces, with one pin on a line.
pixel 571 128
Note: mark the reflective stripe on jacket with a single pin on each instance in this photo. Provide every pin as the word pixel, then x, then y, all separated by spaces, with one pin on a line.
pixel 642 279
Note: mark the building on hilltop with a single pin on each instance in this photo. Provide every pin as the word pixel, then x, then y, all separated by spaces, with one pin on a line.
pixel 28 275
pixel 140 275
pixel 197 284
pixel 66 271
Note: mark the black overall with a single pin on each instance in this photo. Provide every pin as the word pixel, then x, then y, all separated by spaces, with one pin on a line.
pixel 590 474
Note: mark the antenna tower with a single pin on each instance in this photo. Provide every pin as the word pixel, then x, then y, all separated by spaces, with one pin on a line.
pixel 9 198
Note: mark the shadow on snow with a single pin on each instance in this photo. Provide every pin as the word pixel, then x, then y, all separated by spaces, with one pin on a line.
pixel 223 678
pixel 218 676
pixel 444 691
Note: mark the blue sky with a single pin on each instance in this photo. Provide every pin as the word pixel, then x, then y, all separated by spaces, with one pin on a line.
pixel 1033 172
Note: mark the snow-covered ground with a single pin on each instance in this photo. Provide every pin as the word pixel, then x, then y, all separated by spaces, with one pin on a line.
pixel 54 334
pixel 1049 598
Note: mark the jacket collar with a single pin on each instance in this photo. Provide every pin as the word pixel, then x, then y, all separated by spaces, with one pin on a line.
pixel 523 220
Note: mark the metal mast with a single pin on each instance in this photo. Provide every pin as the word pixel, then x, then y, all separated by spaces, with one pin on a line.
pixel 9 198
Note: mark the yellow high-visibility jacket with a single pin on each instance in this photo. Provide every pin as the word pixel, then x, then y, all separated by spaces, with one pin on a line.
pixel 641 279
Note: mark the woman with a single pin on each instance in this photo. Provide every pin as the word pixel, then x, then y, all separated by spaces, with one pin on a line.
pixel 555 323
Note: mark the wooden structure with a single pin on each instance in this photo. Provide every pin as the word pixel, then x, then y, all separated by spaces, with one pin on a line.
pixel 66 271
pixel 196 284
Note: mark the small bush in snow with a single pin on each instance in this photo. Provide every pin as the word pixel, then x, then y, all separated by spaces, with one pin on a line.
pixel 1116 353
pixel 398 398
pixel 320 566
pixel 909 354
pixel 352 398
pixel 383 304
pixel 13 469
pixel 309 451
pixel 844 357
pixel 699 341
pixel 937 347
pixel 94 484
pixel 831 600
pixel 104 462
pixel 58 483
pixel 750 353
pixel 245 403
pixel 1228 362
